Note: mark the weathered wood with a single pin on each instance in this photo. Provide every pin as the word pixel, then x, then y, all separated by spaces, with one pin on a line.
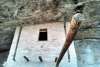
pixel 19 33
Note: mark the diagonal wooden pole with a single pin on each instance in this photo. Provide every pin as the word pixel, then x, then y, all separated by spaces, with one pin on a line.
pixel 17 44
pixel 65 21
pixel 72 30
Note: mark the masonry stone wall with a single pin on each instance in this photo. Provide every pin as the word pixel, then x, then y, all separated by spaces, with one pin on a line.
pixel 87 51
pixel 87 45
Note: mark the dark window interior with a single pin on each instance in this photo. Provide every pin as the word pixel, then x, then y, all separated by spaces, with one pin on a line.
pixel 43 35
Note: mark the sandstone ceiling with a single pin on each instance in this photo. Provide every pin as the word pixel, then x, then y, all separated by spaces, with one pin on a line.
pixel 40 11
pixel 29 11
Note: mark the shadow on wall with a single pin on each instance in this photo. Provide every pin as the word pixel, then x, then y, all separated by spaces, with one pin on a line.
pixel 6 36
pixel 3 57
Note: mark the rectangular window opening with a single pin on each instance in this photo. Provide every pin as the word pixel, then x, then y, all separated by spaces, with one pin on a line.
pixel 43 36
